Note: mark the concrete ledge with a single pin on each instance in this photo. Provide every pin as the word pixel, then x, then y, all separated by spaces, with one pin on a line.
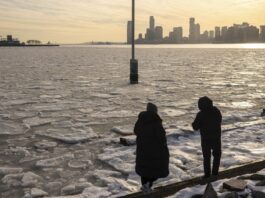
pixel 164 191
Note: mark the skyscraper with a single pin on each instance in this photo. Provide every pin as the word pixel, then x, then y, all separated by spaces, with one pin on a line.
pixel 158 33
pixel 177 34
pixel 197 32
pixel 150 32
pixel 224 32
pixel 211 35
pixel 192 30
pixel 205 37
pixel 140 37
pixel 152 23
pixel 129 32
pixel 251 34
pixel 262 33
pixel 217 33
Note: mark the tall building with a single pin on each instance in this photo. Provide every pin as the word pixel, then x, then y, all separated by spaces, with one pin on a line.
pixel 140 37
pixel 205 37
pixel 211 35
pixel 251 34
pixel 129 32
pixel 150 32
pixel 152 23
pixel 158 33
pixel 197 32
pixel 150 35
pixel 242 33
pixel 171 37
pixel 177 35
pixel 224 32
pixel 192 30
pixel 217 33
pixel 262 33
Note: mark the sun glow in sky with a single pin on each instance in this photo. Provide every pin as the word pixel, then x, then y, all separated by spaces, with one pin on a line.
pixel 76 21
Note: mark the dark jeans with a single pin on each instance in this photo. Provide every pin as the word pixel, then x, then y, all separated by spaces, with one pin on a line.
pixel 211 147
pixel 144 180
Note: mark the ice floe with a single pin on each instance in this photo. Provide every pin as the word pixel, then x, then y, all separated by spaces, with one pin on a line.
pixel 28 179
pixel 37 121
pixel 11 128
pixel 54 162
pixel 69 136
pixel 8 170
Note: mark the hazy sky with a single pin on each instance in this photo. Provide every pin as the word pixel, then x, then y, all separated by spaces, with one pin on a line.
pixel 75 21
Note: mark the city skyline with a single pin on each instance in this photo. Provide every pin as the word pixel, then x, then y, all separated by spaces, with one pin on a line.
pixel 87 20
pixel 237 33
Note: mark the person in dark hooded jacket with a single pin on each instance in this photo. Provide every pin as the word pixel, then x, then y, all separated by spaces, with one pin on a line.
pixel 208 121
pixel 152 155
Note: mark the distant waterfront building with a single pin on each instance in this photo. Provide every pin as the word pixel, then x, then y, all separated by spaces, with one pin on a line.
pixel 129 32
pixel 197 32
pixel 170 37
pixel 205 37
pixel 252 34
pixel 150 35
pixel 140 37
pixel 178 34
pixel 9 38
pixel 217 33
pixel 223 32
pixel 152 23
pixel 211 35
pixel 262 33
pixel 150 32
pixel 242 33
pixel 158 33
pixel 192 30
pixel 10 41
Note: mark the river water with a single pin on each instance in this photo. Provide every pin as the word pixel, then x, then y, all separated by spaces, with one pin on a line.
pixel 82 92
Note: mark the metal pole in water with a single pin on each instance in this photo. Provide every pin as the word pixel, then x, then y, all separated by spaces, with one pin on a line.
pixel 133 61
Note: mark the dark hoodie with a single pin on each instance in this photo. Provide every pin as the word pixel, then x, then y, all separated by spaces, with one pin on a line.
pixel 152 156
pixel 208 120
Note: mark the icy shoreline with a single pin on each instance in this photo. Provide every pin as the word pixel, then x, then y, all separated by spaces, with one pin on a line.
pixel 240 145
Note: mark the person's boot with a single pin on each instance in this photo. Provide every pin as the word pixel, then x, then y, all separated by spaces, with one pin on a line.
pixel 146 188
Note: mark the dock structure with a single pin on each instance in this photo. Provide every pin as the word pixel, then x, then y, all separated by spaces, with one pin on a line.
pixel 164 191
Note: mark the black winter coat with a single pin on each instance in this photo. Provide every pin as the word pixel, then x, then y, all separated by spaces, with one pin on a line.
pixel 152 155
pixel 208 121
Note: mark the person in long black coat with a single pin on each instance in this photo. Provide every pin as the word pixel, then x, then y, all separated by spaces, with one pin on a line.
pixel 152 155
pixel 208 121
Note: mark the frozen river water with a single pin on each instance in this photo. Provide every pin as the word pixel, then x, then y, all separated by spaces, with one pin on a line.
pixel 53 98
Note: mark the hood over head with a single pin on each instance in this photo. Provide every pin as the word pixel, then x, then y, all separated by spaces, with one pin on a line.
pixel 151 108
pixel 205 103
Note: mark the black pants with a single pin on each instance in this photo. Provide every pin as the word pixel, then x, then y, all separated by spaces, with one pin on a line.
pixel 145 180
pixel 211 147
